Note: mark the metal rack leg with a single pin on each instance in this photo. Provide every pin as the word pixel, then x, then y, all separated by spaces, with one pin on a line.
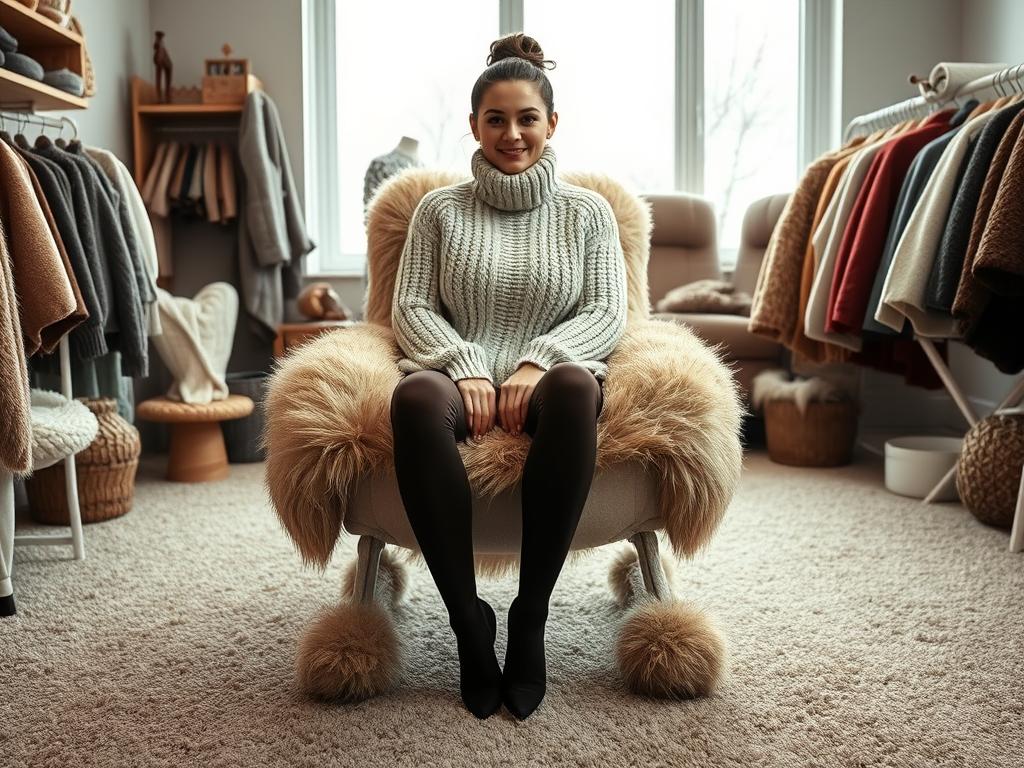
pixel 6 542
pixel 70 474
pixel 1017 533
pixel 1011 399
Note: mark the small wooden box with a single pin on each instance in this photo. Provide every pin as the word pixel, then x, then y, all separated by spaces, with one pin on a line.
pixel 227 81
pixel 291 335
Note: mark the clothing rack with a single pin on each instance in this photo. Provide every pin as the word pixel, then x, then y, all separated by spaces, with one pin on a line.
pixel 1003 83
pixel 903 110
pixel 7 537
pixel 192 127
pixel 30 118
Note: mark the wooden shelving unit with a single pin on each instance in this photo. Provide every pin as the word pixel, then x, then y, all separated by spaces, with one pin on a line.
pixel 149 118
pixel 52 46
pixel 148 114
pixel 189 109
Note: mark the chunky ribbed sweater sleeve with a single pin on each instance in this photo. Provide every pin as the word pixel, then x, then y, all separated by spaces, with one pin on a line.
pixel 420 328
pixel 593 331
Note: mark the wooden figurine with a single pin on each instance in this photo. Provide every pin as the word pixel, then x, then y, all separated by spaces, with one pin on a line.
pixel 162 60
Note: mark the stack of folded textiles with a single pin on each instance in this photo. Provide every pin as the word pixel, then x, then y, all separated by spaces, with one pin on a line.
pixel 17 62
pixel 10 59
pixel 192 179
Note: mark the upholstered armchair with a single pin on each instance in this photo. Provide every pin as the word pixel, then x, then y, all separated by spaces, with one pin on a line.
pixel 669 458
pixel 684 249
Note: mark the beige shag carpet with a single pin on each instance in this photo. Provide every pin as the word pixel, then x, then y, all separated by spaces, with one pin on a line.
pixel 864 629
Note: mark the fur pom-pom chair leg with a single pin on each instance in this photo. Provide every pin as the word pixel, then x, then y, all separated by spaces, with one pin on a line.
pixel 665 648
pixel 351 651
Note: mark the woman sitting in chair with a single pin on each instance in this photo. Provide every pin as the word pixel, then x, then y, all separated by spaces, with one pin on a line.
pixel 510 292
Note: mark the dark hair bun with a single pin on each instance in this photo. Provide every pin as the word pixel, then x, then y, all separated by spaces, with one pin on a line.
pixel 519 45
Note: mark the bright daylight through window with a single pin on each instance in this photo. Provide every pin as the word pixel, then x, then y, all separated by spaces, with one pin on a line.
pixel 614 87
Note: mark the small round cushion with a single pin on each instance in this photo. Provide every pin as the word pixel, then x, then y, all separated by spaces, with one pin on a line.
pixel 164 409
pixel 65 80
pixel 23 65
pixel 60 427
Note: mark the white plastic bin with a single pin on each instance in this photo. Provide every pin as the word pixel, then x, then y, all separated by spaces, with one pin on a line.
pixel 914 465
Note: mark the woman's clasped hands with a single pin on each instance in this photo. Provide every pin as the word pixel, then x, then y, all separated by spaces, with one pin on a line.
pixel 508 405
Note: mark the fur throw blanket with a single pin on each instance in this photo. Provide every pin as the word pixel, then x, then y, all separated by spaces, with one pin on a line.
pixel 776 385
pixel 719 296
pixel 670 400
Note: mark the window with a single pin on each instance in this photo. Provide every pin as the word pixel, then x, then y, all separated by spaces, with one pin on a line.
pixel 404 88
pixel 724 99
pixel 751 89
pixel 613 82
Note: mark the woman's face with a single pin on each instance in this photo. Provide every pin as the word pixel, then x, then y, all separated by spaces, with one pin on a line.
pixel 512 116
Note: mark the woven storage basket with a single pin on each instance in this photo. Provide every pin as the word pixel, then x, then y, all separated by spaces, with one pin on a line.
pixel 822 436
pixel 105 472
pixel 242 436
pixel 988 475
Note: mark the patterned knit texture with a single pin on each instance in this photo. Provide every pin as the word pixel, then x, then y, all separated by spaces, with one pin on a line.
pixel 504 269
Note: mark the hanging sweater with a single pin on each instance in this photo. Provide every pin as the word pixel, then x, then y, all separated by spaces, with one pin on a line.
pixel 504 269
pixel 126 330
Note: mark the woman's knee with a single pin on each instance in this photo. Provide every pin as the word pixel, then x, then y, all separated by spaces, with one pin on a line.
pixel 571 381
pixel 569 389
pixel 417 393
pixel 426 397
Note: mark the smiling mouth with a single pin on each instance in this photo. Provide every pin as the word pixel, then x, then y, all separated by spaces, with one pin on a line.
pixel 512 153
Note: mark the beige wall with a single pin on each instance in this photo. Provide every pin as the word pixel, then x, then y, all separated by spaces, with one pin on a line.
pixel 992 30
pixel 117 34
pixel 267 32
pixel 885 41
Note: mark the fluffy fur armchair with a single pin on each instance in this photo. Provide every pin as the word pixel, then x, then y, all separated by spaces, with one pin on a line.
pixel 671 404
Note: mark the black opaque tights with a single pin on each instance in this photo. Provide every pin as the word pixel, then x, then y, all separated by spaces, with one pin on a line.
pixel 428 418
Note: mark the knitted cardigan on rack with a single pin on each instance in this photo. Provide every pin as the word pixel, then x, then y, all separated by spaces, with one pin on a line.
pixel 125 324
pixel 510 268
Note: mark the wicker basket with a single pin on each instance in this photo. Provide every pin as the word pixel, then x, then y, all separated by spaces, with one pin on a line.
pixel 105 472
pixel 988 475
pixel 242 436
pixel 822 436
pixel 89 76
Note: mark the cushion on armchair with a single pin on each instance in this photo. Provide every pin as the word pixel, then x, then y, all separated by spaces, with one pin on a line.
pixel 670 401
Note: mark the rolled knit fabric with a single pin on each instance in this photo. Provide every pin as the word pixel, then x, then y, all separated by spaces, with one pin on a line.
pixel 65 80
pixel 8 42
pixel 23 65
pixel 510 268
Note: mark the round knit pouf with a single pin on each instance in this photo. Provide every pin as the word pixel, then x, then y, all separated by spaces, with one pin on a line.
pixel 105 470
pixel 988 476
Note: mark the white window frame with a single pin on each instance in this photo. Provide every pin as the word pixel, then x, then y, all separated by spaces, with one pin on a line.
pixel 818 119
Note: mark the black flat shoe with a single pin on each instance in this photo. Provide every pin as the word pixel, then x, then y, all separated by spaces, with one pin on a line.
pixel 524 682
pixel 483 701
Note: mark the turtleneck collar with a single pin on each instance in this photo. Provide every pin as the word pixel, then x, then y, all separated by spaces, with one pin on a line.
pixel 515 191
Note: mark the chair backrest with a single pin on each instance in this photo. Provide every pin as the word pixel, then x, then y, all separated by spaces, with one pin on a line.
pixel 390 211
pixel 683 245
pixel 758 223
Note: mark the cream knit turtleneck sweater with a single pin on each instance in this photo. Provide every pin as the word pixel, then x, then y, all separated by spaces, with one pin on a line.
pixel 504 269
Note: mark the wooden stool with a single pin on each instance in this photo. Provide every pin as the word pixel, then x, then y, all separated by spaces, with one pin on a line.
pixel 197 443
